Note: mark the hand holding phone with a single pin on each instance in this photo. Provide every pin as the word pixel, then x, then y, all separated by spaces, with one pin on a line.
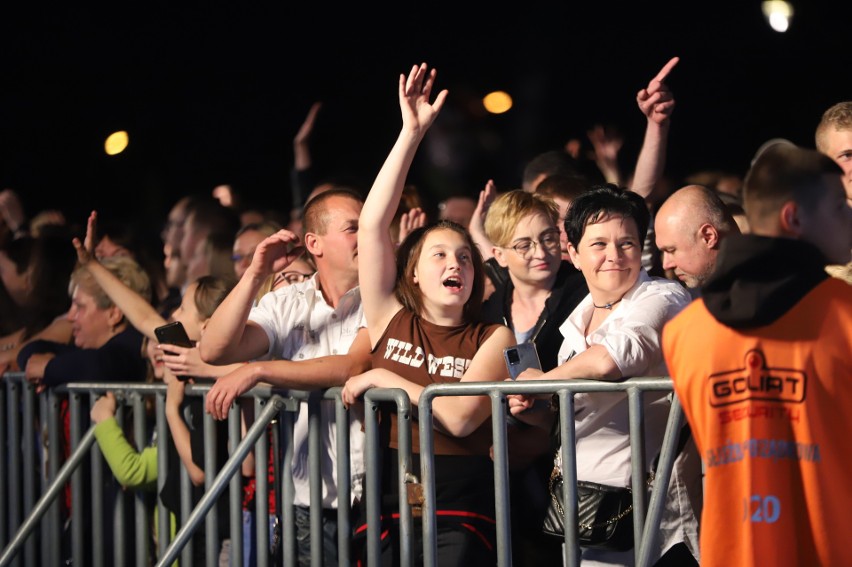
pixel 521 357
pixel 174 334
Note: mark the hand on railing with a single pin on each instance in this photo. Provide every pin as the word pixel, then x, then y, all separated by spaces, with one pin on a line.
pixel 35 369
pixel 529 410
pixel 228 388
pixel 104 408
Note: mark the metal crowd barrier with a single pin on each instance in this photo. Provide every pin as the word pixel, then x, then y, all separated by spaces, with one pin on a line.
pixel 30 530
pixel 645 529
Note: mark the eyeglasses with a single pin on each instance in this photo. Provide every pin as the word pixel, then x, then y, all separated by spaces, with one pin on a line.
pixel 240 257
pixel 549 241
pixel 291 277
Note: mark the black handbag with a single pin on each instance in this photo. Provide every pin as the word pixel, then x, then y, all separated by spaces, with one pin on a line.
pixel 604 514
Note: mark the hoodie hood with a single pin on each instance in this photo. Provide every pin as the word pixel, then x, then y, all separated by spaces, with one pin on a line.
pixel 758 279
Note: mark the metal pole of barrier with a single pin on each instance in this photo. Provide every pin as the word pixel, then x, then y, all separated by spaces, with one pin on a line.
pixel 344 473
pixel 277 467
pixel 6 457
pixel 163 516
pixel 218 485
pixel 315 476
pixel 100 526
pixel 636 419
pixel 235 493
pixel 373 481
pixel 261 489
pixel 185 510
pixel 668 454
pixel 77 504
pixel 32 467
pixel 427 468
pixel 568 436
pixel 211 521
pixel 13 506
pixel 288 490
pixel 54 441
pixel 503 513
pixel 373 478
pixel 141 513
pixel 49 497
pixel 261 492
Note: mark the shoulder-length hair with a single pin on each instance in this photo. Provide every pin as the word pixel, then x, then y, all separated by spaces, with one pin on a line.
pixel 407 255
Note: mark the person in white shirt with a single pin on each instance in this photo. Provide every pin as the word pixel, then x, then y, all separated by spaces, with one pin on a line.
pixel 613 334
pixel 306 336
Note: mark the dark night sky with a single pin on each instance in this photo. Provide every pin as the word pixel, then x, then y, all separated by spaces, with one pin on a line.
pixel 214 92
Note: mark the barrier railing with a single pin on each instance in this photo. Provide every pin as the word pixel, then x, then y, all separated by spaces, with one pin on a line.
pixel 21 471
pixel 565 391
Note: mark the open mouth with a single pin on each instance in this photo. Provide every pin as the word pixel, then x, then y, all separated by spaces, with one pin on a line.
pixel 453 282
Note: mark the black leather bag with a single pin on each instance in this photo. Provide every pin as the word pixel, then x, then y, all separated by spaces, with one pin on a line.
pixel 605 514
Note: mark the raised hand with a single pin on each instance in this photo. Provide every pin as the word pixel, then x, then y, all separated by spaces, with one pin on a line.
pixel 477 220
pixel 411 220
pixel 656 100
pixel 605 148
pixel 414 94
pixel 275 253
pixel 486 197
pixel 303 136
pixel 11 210
pixel 86 249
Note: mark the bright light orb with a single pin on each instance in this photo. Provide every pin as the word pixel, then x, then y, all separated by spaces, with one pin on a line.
pixel 116 143
pixel 497 102
pixel 778 13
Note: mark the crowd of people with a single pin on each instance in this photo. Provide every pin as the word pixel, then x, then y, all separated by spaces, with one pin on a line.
pixel 739 289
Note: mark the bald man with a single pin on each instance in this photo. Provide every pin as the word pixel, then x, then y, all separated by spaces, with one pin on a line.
pixel 689 228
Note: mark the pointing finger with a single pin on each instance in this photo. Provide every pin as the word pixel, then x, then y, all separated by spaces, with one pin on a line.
pixel 667 68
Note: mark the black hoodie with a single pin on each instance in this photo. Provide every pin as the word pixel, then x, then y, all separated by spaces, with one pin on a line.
pixel 759 278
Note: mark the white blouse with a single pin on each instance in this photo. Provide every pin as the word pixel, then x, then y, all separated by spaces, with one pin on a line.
pixel 632 336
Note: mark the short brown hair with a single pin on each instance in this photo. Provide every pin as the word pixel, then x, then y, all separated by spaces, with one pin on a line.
pixel 315 216
pixel 785 173
pixel 838 117
pixel 567 187
pixel 407 255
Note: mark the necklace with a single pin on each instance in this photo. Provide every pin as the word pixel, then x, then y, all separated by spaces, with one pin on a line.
pixel 607 305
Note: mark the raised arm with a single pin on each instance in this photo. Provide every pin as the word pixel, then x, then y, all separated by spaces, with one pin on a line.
pixel 375 247
pixel 477 221
pixel 657 104
pixel 302 176
pixel 229 336
pixel 132 468
pixel 179 430
pixel 141 314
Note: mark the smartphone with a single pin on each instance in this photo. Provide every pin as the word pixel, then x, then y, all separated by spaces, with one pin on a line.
pixel 520 357
pixel 174 334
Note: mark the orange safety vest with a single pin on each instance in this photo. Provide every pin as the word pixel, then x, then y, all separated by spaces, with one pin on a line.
pixel 771 412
